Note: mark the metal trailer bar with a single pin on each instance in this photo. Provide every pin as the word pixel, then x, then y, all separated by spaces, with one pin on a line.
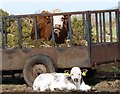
pixel 110 26
pixel 2 32
pixel 52 30
pixel 63 13
pixel 104 29
pixel 96 21
pixel 36 32
pixel 5 31
pixel 118 32
pixel 100 19
pixel 20 32
pixel 70 29
pixel 117 24
pixel 89 32
pixel 83 21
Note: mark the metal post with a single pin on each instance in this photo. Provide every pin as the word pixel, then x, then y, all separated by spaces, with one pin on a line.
pixel 70 29
pixel 36 33
pixel 83 21
pixel 2 32
pixel 119 30
pixel 104 29
pixel 119 5
pixel 52 30
pixel 110 25
pixel 117 25
pixel 20 32
pixel 5 31
pixel 100 19
pixel 96 19
pixel 89 32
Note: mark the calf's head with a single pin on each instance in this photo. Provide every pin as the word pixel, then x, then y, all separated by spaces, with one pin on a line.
pixel 76 74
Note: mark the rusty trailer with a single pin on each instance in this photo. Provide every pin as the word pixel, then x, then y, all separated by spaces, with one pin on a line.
pixel 103 47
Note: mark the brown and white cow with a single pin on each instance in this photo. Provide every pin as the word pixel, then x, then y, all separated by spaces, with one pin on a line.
pixel 60 26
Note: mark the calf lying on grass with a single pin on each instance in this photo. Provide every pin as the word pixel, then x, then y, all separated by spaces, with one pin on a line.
pixel 61 81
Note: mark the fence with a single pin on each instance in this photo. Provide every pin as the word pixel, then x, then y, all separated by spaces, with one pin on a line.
pixel 100 26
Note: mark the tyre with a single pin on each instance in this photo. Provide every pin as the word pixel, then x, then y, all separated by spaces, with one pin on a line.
pixel 35 66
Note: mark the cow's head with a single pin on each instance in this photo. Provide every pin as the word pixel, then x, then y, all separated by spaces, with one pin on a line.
pixel 58 21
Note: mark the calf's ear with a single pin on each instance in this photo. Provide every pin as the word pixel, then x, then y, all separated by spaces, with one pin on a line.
pixel 84 71
pixel 67 73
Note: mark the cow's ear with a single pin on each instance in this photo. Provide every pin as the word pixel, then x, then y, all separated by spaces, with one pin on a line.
pixel 65 16
pixel 47 17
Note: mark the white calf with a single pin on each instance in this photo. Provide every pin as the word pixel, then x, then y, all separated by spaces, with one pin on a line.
pixel 61 81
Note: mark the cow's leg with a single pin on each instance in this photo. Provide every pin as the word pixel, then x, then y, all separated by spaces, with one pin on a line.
pixel 70 86
pixel 84 87
pixel 53 86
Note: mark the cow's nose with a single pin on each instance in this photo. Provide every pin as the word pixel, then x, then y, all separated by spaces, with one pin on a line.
pixel 57 26
pixel 76 80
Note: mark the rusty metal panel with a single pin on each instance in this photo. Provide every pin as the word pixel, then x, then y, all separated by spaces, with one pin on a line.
pixel 66 57
pixel 14 59
pixel 102 53
pixel 74 56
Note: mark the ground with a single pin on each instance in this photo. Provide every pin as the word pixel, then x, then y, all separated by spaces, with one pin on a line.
pixel 109 81
pixel 111 86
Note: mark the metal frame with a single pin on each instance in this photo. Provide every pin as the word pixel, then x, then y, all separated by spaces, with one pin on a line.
pixel 36 33
pixel 20 32
pixel 70 30
pixel 53 37
pixel 88 22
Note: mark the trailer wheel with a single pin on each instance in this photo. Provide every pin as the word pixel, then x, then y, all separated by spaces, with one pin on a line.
pixel 35 66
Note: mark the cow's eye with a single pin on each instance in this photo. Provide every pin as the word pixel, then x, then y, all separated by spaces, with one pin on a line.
pixel 79 74
pixel 72 74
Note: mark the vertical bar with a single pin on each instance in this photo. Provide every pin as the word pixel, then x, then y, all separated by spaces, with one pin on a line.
pixel 83 21
pixel 118 33
pixel 5 31
pixel 110 26
pixel 52 30
pixel 20 32
pixel 104 29
pixel 70 29
pixel 117 24
pixel 36 33
pixel 89 32
pixel 96 21
pixel 2 32
pixel 100 19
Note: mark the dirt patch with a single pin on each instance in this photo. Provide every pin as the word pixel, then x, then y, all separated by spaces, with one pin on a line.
pixel 111 86
pixel 16 88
